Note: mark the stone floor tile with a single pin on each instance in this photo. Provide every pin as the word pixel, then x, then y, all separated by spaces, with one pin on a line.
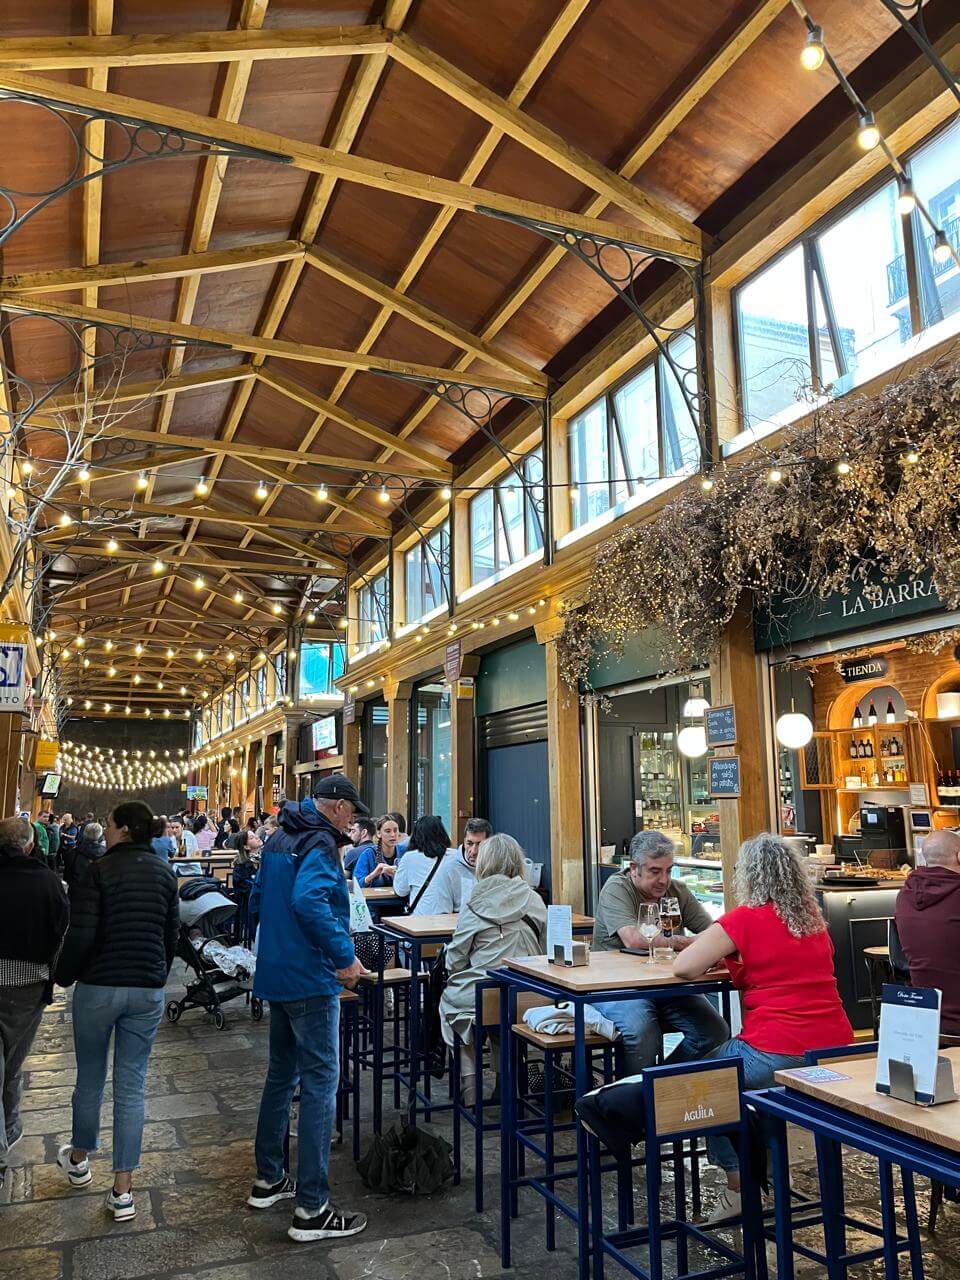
pixel 294 1262
pixel 152 1253
pixel 81 1217
pixel 454 1254
pixel 176 1105
pixel 31 1264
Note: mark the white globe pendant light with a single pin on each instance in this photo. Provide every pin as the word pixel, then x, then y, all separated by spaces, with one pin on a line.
pixel 794 729
pixel 692 741
pixel 696 704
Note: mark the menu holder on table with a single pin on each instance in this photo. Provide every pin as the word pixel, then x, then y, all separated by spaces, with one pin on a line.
pixel 561 948
pixel 908 1065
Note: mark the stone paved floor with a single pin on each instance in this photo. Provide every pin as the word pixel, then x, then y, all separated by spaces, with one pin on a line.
pixel 191 1220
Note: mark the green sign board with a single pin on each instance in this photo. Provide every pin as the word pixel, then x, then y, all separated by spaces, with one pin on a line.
pixel 868 603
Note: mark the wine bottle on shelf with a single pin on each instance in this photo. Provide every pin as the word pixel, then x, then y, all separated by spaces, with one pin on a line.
pixel 857 719
pixel 872 713
pixel 891 714
pixel 853 749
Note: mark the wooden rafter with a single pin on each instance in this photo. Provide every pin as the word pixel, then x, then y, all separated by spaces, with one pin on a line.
pixel 145 390
pixel 267 347
pixel 164 542
pixel 141 270
pixel 376 526
pixel 347 167
pixel 62 53
pixel 196 560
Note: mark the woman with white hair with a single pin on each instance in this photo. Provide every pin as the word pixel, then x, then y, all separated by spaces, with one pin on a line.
pixel 504 917
pixel 780 958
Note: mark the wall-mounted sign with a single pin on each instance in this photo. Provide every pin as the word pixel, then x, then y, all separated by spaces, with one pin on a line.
pixel 725 777
pixel 198 792
pixel 720 724
pixel 324 733
pixel 451 662
pixel 853 670
pixel 47 750
pixel 466 687
pixel 14 688
pixel 349 710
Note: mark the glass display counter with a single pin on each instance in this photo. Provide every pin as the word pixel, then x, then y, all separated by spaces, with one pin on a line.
pixel 704 878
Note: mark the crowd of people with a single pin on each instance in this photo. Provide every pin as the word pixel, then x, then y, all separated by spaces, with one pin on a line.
pixel 95 906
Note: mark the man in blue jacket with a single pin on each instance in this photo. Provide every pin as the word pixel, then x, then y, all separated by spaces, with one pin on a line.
pixel 305 956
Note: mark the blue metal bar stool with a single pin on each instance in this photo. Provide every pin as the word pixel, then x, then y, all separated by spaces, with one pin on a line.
pixel 348 1094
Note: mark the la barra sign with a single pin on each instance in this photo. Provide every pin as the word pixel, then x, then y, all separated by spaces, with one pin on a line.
pixel 856 669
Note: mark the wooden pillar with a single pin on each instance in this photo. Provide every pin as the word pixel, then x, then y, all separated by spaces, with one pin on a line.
pixel 462 749
pixel 267 770
pixel 735 677
pixel 291 739
pixel 250 779
pixel 565 767
pixel 397 694
pixel 351 751
pixel 9 760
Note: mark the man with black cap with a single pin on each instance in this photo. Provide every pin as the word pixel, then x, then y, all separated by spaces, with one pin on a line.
pixel 305 957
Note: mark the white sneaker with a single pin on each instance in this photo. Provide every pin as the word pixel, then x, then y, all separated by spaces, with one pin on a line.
pixel 727 1207
pixel 121 1205
pixel 78 1175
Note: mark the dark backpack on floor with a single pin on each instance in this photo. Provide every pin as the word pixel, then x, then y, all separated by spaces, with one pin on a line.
pixel 412 1161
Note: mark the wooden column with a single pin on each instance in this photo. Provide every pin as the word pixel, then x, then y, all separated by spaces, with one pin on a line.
pixel 462 750
pixel 397 694
pixel 565 766
pixel 351 751
pixel 735 677
pixel 267 742
pixel 9 760
pixel 291 739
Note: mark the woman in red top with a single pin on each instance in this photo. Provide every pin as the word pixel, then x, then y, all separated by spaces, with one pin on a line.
pixel 780 959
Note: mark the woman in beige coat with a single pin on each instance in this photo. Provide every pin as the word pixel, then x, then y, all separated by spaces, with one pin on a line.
pixel 504 917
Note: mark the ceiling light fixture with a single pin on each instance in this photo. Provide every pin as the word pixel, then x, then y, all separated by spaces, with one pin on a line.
pixel 201 489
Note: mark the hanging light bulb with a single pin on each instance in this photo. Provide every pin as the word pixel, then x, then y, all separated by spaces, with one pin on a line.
pixel 170 653
pixel 198 583
pixel 107 645
pixel 158 566
pixel 201 489
pixel 113 545
pixel 275 608
pixel 906 199
pixel 692 741
pixel 238 597
pixel 142 481
pixel 183 690
pixel 384 494
pixel 262 492
pixel 159 684
pixel 794 729
pixel 941 247
pixel 83 475
pixel 231 656
pixel 138 649
pixel 868 135
pixel 80 642
pixel 126 711
pixel 321 493
pixel 311 617
pixel 199 655
pixel 111 672
pixel 343 624
pixel 696 704
pixel 27 467
pixel 65 520
pixel 813 53
pixel 446 493
pixel 137 679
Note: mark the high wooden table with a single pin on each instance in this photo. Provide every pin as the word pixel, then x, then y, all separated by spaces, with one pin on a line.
pixel 610 975
pixel 849 1112
pixel 381 899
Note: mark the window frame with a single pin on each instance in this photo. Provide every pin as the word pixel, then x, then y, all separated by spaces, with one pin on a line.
pixel 420 559
pixel 528 526
pixel 377 620
pixel 815 276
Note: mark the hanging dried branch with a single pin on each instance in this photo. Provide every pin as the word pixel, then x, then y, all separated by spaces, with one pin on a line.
pixel 893 511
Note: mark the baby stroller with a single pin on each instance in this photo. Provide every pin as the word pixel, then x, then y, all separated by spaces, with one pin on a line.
pixel 205 916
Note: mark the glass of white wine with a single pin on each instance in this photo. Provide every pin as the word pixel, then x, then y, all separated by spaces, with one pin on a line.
pixel 648 923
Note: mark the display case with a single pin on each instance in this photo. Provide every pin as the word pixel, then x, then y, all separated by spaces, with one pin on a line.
pixel 656 783
pixel 704 878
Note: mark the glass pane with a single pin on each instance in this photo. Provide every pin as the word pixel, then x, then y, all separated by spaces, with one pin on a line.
pixel 857 255
pixel 510 532
pixel 481 537
pixel 775 351
pixel 413 595
pixel 434 559
pixel 589 464
pixel 829 370
pixel 936 178
pixel 681 446
pixel 339 662
pixel 533 470
pixel 635 405
pixel 315 668
pixel 432 730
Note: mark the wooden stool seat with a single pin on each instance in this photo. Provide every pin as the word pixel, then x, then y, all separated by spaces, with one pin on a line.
pixel 390 976
pixel 567 1040
pixel 347 996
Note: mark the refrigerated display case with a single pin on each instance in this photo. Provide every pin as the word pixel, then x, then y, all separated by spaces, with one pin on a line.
pixel 704 878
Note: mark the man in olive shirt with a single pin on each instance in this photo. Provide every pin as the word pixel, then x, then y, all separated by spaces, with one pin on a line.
pixel 642 1021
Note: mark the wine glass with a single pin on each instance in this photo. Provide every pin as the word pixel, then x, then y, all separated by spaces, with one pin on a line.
pixel 648 923
pixel 670 915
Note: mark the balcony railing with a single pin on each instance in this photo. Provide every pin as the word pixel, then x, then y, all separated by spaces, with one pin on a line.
pixel 897 269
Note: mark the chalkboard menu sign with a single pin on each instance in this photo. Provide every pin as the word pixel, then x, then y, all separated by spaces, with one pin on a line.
pixel 725 777
pixel 721 726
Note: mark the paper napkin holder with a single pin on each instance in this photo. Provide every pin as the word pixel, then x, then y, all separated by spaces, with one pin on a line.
pixel 581 956
pixel 902 1083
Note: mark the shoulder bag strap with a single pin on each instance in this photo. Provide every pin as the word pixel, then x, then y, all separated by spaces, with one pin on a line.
pixel 426 884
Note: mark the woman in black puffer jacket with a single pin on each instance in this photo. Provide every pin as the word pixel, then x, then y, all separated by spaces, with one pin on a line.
pixel 124 916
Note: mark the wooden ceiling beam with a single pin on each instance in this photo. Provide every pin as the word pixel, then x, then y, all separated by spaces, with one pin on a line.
pixel 309 399
pixel 151 546
pixel 416 312
pixel 378 527
pixel 271 569
pixel 64 53
pixel 347 167
pixel 127 392
pixel 536 137
pixel 101 274
pixel 252 345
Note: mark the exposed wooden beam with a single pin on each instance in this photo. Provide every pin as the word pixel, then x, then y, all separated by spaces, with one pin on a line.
pixel 294 544
pixel 199 510
pixel 303 395
pixel 152 545
pixel 276 347
pixel 145 390
pixel 342 165
pixel 378 527
pixel 62 53
pixel 417 312
pixel 289 568
pixel 244 449
pixel 536 137
pixel 143 269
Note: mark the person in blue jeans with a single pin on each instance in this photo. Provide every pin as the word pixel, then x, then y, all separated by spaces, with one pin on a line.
pixel 305 957
pixel 124 917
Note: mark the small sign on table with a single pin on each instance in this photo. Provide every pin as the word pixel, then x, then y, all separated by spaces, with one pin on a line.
pixel 908 1064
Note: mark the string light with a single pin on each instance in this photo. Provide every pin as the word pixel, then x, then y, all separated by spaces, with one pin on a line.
pixel 27 467
pixel 942 251
pixel 911 458
pixel 813 52
pixel 774 475
pixel 83 475
pixel 906 198
pixel 868 135
pixel 844 468
pixel 113 545
pixel 706 484
pixel 201 489
pixel 158 566
pixel 262 492
pixel 138 649
pixel 321 493
pixel 238 597
pixel 142 481
pixel 383 495
pixel 65 520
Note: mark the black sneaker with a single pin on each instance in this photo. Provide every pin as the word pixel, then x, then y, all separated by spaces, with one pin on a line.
pixel 326 1224
pixel 262 1197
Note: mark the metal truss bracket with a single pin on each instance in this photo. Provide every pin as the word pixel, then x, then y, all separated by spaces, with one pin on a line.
pixel 130 141
pixel 479 405
pixel 620 264
pixel 909 13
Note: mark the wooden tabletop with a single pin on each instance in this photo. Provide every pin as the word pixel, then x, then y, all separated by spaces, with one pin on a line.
pixel 423 926
pixel 878 953
pixel 606 971
pixel 197 858
pixel 582 922
pixel 939 1125
pixel 381 895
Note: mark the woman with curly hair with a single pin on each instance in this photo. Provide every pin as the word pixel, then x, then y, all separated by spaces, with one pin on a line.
pixel 780 958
